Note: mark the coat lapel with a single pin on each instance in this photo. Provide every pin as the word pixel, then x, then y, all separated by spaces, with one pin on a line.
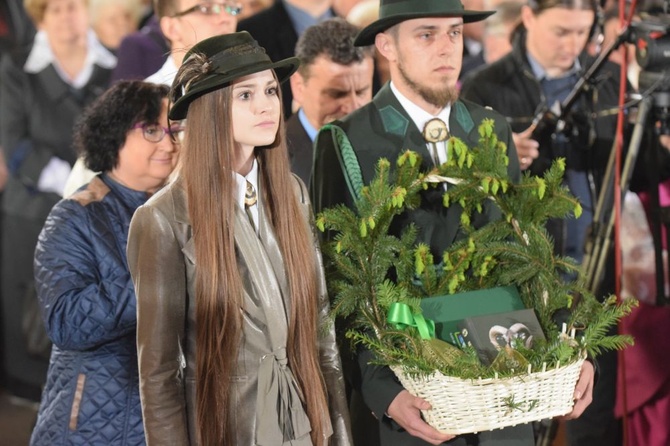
pixel 286 37
pixel 273 252
pixel 264 285
pixel 60 92
pixel 180 211
pixel 398 126
pixel 461 124
pixel 300 148
pixel 280 415
pixel 263 261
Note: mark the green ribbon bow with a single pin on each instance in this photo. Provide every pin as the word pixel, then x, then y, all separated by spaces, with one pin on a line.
pixel 401 316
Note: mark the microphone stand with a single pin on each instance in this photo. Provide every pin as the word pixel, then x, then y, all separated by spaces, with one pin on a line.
pixel 598 244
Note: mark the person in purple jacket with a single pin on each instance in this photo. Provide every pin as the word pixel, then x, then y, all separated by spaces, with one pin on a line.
pixel 141 53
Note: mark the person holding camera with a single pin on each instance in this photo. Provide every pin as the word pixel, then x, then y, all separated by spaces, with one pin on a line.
pixel 547 61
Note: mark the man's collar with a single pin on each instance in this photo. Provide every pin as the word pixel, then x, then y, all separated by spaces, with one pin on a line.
pixel 541 74
pixel 418 115
pixel 473 46
pixel 41 56
pixel 309 128
pixel 241 182
pixel 301 19
pixel 165 74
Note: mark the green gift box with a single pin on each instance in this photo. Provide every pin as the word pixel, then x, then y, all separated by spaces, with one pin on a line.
pixel 448 311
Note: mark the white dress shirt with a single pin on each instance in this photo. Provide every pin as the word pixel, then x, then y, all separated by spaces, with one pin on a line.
pixel 420 117
pixel 241 182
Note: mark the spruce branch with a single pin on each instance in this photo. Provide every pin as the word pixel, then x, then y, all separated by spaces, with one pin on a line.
pixel 370 267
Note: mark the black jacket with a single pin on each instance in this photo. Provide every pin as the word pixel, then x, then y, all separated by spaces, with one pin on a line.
pixel 383 129
pixel 273 30
pixel 37 116
pixel 300 148
pixel 510 87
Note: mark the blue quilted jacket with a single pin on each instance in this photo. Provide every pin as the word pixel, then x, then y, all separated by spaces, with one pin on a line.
pixel 91 395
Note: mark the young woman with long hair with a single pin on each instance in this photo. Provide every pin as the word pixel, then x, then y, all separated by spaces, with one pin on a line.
pixel 234 342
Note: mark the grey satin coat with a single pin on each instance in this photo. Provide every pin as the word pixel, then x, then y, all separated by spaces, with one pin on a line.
pixel 162 262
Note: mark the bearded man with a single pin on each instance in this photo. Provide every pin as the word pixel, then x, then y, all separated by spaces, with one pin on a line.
pixel 423 43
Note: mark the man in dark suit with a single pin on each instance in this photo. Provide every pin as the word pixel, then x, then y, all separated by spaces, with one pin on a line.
pixel 423 42
pixel 277 30
pixel 334 79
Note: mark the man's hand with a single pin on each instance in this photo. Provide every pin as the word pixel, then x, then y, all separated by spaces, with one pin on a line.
pixel 665 141
pixel 583 391
pixel 4 173
pixel 526 148
pixel 405 410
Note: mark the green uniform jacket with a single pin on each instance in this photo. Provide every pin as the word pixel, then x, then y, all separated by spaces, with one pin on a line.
pixel 383 129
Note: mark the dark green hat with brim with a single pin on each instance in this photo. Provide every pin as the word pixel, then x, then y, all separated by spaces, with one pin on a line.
pixel 228 57
pixel 392 12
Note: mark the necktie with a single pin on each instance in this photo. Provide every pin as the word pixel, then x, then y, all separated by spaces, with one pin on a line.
pixel 435 131
pixel 249 201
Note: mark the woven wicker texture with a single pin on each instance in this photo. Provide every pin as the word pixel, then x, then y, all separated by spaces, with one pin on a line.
pixel 465 406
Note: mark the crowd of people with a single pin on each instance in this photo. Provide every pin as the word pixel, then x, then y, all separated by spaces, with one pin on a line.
pixel 162 162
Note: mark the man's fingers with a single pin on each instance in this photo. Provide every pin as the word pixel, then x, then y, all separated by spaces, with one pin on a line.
pixel 583 391
pixel 528 132
pixel 584 387
pixel 430 435
pixel 665 141
pixel 423 430
pixel 405 409
pixel 421 404
pixel 526 147
pixel 527 151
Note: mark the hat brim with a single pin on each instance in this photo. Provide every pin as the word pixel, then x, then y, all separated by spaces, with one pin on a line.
pixel 367 35
pixel 283 69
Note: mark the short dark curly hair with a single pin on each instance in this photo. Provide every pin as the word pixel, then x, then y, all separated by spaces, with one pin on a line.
pixel 101 130
pixel 332 38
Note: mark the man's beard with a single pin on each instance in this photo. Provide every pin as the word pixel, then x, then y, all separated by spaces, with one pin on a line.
pixel 439 97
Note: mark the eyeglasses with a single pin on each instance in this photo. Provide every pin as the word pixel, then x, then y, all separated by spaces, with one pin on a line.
pixel 213 8
pixel 156 133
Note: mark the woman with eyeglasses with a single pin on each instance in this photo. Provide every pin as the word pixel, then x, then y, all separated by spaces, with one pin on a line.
pixel 235 346
pixel 83 284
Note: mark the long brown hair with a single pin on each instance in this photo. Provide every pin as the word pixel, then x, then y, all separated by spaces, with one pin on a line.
pixel 208 157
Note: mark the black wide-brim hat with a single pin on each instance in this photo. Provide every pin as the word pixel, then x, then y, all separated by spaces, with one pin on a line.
pixel 229 57
pixel 392 12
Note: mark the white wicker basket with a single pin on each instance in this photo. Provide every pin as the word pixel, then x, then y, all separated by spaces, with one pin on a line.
pixel 461 406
